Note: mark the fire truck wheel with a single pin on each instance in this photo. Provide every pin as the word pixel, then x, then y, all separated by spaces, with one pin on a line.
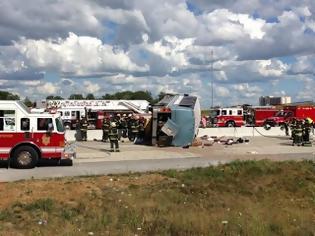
pixel 230 124
pixel 25 157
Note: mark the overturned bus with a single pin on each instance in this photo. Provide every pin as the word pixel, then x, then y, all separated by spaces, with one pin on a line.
pixel 175 120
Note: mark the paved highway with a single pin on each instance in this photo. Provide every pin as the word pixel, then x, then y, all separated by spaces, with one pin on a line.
pixel 93 158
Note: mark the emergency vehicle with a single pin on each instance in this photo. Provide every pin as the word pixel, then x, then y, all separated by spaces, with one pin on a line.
pixel 288 113
pixel 227 117
pixel 93 110
pixel 238 116
pixel 26 137
pixel 257 115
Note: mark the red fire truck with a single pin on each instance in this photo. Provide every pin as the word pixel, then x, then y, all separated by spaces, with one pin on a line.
pixel 291 112
pixel 227 117
pixel 257 115
pixel 26 137
pixel 94 110
pixel 236 117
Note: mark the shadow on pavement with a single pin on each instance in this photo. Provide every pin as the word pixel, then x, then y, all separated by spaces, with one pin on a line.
pixel 42 163
pixel 4 164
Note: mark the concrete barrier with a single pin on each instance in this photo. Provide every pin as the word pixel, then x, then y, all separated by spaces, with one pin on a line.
pixel 72 135
pixel 241 132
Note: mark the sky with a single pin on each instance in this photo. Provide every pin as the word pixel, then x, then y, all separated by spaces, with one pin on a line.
pixel 247 49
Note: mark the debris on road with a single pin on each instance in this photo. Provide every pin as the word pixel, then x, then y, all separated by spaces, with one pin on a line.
pixel 209 141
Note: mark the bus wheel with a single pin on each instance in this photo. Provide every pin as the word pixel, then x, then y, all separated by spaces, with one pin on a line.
pixel 230 124
pixel 25 157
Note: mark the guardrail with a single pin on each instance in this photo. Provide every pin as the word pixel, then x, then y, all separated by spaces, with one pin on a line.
pixel 72 135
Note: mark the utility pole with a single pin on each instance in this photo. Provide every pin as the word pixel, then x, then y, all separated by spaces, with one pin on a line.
pixel 212 78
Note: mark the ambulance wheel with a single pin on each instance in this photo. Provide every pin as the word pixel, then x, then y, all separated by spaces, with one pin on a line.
pixel 230 124
pixel 24 157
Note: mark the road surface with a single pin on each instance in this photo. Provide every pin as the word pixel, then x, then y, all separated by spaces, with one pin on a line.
pixel 93 158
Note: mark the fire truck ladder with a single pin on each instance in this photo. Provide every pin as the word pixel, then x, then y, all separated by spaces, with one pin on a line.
pixel 132 106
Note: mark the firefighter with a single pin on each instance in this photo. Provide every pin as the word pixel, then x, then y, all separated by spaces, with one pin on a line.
pixel 133 128
pixel 124 126
pixel 307 126
pixel 117 120
pixel 105 128
pixel 84 128
pixel 141 132
pixel 113 137
pixel 298 134
pixel 293 128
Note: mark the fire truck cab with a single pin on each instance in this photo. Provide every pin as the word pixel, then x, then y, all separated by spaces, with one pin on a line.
pixel 288 113
pixel 26 137
pixel 227 117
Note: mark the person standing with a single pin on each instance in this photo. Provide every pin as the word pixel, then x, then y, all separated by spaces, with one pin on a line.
pixel 117 120
pixel 133 128
pixel 124 125
pixel 141 130
pixel 105 128
pixel 113 137
pixel 84 128
pixel 298 134
pixel 307 131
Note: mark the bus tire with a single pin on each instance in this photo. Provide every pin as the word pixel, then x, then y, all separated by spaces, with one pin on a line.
pixel 24 157
pixel 230 124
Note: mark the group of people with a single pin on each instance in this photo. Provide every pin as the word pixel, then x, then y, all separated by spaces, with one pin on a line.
pixel 300 131
pixel 118 126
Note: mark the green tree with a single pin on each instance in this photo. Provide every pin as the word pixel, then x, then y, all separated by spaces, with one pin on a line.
pixel 28 102
pixel 8 96
pixel 107 96
pixel 90 96
pixel 142 95
pixel 76 97
pixel 52 97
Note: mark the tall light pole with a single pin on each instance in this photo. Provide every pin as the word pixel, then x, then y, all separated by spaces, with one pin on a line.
pixel 212 78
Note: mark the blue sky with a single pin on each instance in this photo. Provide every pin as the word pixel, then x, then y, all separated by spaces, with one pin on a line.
pixel 260 48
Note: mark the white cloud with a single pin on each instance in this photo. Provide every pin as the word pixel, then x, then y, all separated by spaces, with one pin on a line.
pixel 222 91
pixel 78 55
pixel 47 88
pixel 91 87
pixel 221 25
pixel 31 83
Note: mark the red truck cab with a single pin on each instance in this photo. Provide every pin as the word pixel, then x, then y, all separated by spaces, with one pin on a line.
pixel 291 112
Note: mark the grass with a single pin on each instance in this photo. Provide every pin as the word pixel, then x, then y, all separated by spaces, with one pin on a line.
pixel 241 198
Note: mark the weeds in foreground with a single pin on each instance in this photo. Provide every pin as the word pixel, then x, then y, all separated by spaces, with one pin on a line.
pixel 241 198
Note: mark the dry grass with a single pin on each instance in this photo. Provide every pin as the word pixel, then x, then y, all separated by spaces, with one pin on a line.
pixel 242 198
